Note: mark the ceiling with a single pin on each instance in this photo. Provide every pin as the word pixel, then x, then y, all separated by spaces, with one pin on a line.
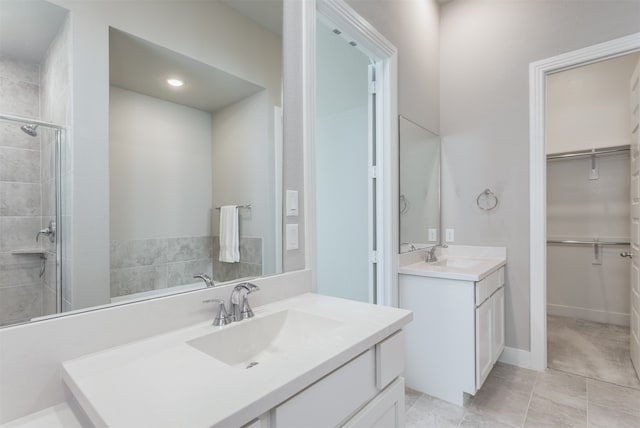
pixel 267 13
pixel 141 66
pixel 27 28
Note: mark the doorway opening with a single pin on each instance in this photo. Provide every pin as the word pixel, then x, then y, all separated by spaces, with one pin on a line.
pixel 589 132
pixel 351 156
pixel 539 71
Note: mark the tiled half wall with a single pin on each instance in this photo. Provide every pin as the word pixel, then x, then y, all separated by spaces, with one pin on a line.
pixel 152 264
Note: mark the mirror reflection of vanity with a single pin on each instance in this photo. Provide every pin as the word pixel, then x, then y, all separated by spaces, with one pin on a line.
pixel 142 166
pixel 419 187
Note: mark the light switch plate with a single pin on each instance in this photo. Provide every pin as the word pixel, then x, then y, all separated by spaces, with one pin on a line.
pixel 449 235
pixel 292 203
pixel 433 234
pixel 292 236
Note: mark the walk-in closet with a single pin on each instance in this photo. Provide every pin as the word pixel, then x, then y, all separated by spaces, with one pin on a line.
pixel 593 229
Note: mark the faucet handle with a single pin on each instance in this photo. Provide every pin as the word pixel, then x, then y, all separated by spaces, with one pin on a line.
pixel 246 309
pixel 222 317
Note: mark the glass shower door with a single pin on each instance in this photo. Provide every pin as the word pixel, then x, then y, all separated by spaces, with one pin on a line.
pixel 30 255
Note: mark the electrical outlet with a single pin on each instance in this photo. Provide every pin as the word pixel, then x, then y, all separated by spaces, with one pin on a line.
pixel 433 235
pixel 449 235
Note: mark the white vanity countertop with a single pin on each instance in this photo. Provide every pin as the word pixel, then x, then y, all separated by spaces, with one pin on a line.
pixel 464 263
pixel 164 382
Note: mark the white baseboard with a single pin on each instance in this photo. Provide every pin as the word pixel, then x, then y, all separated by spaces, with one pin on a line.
pixel 595 315
pixel 516 357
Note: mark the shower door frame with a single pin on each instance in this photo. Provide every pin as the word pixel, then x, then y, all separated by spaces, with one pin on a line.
pixel 538 71
pixel 58 131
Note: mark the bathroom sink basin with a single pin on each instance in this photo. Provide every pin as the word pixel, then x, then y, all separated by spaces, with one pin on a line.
pixel 459 263
pixel 249 343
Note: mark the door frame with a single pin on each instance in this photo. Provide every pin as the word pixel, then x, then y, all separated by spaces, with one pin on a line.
pixel 538 71
pixel 377 47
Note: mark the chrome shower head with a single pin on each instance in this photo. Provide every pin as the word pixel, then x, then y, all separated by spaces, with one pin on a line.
pixel 30 130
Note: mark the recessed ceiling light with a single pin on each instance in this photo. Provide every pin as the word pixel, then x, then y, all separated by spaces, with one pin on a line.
pixel 175 82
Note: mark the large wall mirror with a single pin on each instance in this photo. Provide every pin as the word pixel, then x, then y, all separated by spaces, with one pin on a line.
pixel 419 187
pixel 194 118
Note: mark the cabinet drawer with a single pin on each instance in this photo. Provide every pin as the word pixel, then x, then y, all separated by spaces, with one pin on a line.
pixel 389 359
pixel 332 399
pixel 489 285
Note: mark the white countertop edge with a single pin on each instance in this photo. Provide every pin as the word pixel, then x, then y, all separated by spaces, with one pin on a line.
pixel 413 269
pixel 270 398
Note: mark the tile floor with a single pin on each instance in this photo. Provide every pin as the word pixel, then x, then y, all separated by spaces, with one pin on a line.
pixel 515 397
pixel 591 349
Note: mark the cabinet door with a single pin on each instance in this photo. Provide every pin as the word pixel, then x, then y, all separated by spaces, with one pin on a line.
pixel 484 341
pixel 384 411
pixel 498 324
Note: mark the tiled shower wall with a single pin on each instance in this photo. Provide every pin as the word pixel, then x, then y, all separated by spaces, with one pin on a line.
pixel 152 264
pixel 20 194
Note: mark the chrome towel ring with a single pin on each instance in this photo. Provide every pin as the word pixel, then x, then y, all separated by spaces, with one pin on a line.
pixel 487 200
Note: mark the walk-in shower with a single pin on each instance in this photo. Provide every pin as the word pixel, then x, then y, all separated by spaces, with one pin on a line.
pixel 30 206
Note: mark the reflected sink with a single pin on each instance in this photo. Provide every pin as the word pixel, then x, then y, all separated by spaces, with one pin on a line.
pixel 249 343
pixel 459 263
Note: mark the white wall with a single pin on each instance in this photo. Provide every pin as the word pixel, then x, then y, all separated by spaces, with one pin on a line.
pixel 243 169
pixel 486 48
pixel 205 31
pixel 342 160
pixel 160 159
pixel 412 26
pixel 583 209
pixel 588 107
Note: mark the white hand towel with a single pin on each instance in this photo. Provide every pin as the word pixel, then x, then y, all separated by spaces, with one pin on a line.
pixel 229 237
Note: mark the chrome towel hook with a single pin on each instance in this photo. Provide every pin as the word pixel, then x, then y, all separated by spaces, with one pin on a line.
pixel 487 200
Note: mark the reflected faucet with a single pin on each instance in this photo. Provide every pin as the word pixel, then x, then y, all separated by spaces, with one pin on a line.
pixel 207 279
pixel 241 309
pixel 431 253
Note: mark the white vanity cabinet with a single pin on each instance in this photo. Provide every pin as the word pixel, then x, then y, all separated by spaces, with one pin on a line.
pixel 366 392
pixel 457 334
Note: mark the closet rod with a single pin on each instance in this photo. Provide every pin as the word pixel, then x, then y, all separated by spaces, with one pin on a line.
pixel 571 242
pixel 586 153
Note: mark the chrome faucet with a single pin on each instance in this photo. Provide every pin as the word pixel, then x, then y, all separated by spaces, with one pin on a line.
pixel 431 253
pixel 207 279
pixel 240 308
pixel 222 317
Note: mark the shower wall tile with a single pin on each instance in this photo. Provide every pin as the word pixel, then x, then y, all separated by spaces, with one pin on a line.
pixel 19 304
pixel 251 250
pixel 19 165
pixel 18 233
pixel 12 136
pixel 47 156
pixel 19 199
pixel 19 269
pixel 48 301
pixel 49 278
pixel 134 280
pixel 19 98
pixel 247 270
pixel 182 272
pixel 17 70
pixel 223 272
pixel 48 198
pixel 144 252
pixel 54 78
pixel 190 248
